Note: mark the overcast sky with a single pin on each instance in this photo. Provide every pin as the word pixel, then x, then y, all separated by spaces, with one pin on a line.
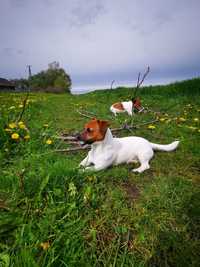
pixel 97 41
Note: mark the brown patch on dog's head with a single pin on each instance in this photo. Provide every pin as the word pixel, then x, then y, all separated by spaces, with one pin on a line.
pixel 94 131
pixel 137 103
pixel 118 106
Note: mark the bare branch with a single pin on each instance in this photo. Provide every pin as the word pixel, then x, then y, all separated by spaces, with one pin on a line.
pixel 73 149
pixel 138 80
pixel 67 138
pixel 128 127
pixel 143 78
pixel 112 84
pixel 84 115
pixel 24 107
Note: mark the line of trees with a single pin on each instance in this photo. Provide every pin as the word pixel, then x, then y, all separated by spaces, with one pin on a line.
pixel 54 80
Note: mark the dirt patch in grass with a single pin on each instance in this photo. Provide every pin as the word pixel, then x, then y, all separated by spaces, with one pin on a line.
pixel 131 190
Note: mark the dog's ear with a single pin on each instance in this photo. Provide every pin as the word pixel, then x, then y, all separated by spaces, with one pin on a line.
pixel 104 124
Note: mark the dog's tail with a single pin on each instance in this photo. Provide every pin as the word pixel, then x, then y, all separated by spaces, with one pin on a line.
pixel 167 148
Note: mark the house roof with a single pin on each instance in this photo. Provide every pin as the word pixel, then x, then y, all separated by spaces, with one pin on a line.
pixel 4 82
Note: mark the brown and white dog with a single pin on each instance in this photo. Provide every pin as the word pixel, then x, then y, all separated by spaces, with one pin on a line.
pixel 127 106
pixel 107 150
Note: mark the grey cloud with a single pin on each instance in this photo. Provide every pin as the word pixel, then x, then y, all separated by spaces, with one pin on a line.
pixel 8 51
pixel 19 51
pixel 18 3
pixel 86 14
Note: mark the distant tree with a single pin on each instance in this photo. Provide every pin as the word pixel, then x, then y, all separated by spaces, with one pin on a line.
pixel 51 80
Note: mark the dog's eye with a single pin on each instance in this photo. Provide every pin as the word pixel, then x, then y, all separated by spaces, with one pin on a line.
pixel 89 130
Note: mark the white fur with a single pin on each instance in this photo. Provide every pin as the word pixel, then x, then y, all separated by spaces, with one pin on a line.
pixel 127 105
pixel 114 151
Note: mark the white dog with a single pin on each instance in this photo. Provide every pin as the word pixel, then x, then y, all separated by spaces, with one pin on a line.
pixel 107 151
pixel 120 107
pixel 127 106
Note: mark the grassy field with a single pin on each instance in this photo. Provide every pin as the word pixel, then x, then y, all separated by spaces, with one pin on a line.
pixel 51 214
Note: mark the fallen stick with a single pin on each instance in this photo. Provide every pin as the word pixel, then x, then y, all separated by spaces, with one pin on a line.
pixel 86 114
pixel 67 138
pixel 127 127
pixel 73 149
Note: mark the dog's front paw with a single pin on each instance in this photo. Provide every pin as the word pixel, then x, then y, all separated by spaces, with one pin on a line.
pixel 138 170
pixel 82 164
pixel 90 168
pixel 83 169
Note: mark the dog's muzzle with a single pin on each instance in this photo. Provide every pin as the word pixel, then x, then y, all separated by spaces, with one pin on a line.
pixel 82 140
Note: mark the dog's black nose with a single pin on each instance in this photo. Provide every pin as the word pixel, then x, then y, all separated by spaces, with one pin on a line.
pixel 78 137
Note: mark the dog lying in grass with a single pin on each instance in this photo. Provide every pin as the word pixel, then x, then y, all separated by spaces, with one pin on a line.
pixel 107 150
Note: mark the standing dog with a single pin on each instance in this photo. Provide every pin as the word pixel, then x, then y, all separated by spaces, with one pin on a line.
pixel 107 150
pixel 127 106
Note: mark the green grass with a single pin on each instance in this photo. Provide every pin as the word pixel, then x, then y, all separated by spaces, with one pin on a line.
pixel 51 214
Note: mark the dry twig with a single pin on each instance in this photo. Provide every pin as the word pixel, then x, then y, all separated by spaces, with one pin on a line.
pixel 73 149
pixel 86 114
pixel 140 81
pixel 24 107
pixel 112 84
pixel 128 127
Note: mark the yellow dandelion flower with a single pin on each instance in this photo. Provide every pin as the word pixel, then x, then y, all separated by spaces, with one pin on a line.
pixel 7 130
pixel 196 119
pixel 45 125
pixel 20 122
pixel 162 119
pixel 27 137
pixel 45 245
pixel 49 142
pixel 15 136
pixel 151 126
pixel 12 125
pixel 22 126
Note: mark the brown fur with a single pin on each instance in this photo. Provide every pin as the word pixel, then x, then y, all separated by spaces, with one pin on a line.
pixel 118 106
pixel 94 130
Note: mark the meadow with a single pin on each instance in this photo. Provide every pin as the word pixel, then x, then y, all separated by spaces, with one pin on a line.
pixel 53 214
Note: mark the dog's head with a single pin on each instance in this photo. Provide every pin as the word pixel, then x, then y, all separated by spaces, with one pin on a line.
pixel 94 131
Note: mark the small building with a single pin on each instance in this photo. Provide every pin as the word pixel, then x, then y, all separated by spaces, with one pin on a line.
pixel 6 86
